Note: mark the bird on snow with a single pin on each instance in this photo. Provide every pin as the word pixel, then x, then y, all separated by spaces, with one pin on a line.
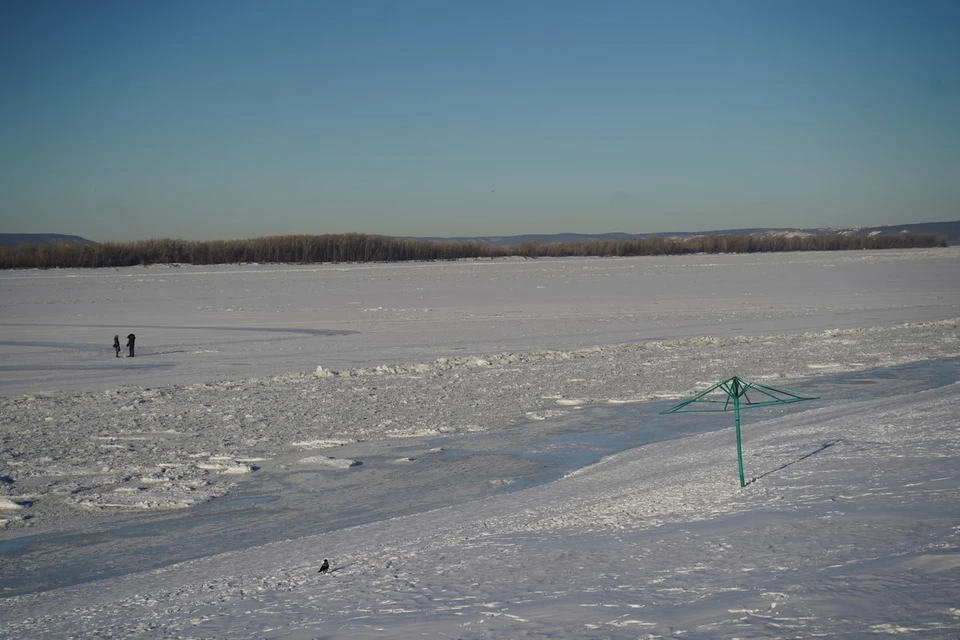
pixel 324 566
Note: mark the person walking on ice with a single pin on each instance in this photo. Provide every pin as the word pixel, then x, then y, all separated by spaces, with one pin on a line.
pixel 116 344
pixel 130 340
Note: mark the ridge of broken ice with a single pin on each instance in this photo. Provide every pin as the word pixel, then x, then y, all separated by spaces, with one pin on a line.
pixel 151 448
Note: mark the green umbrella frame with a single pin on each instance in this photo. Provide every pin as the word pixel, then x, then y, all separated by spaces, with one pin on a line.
pixel 732 394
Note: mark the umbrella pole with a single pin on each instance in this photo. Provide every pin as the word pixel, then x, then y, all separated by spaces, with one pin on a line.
pixel 736 413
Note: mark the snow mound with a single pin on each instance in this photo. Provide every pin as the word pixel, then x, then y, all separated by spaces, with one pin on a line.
pixel 320 444
pixel 150 498
pixel 546 414
pixel 330 463
pixel 571 402
pixel 10 505
pixel 225 467
pixel 497 360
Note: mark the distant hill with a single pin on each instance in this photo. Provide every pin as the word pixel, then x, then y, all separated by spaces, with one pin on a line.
pixel 950 230
pixel 15 239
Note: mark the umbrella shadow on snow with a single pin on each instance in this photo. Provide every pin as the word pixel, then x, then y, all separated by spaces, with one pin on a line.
pixel 822 447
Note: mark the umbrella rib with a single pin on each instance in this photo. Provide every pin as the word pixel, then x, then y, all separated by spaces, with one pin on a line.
pixel 761 396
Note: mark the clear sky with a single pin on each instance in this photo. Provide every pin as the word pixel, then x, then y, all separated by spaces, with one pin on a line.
pixel 206 119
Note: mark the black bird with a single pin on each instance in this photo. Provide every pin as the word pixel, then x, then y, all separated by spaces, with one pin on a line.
pixel 324 566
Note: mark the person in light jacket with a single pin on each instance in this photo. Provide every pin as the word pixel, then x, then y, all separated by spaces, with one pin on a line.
pixel 116 345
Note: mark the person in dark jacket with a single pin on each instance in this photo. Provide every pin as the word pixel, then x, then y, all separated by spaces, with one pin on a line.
pixel 116 345
pixel 130 340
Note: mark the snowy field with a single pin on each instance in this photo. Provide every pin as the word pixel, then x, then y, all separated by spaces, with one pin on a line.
pixel 480 452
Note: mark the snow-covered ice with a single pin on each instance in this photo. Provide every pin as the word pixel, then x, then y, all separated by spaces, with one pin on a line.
pixel 408 421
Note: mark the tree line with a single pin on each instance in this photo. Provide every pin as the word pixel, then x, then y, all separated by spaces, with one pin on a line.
pixel 357 247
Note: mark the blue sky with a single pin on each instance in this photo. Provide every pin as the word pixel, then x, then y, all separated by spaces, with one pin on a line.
pixel 229 119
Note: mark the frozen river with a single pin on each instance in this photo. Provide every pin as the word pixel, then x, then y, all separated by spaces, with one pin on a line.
pixel 464 411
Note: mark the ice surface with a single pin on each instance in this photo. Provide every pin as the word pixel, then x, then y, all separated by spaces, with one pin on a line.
pixel 201 324
pixel 453 385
